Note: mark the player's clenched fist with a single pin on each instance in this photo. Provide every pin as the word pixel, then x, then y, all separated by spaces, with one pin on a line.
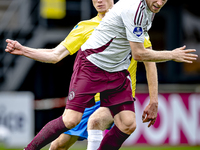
pixel 14 47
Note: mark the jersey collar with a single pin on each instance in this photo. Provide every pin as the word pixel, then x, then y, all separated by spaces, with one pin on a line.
pixel 98 18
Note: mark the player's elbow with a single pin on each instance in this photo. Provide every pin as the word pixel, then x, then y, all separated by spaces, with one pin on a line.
pixel 138 51
pixel 142 55
pixel 55 60
pixel 137 56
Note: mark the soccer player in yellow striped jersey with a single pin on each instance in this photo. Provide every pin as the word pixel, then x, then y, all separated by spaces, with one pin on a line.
pixel 71 45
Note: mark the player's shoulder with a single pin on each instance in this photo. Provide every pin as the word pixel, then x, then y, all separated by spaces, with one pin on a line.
pixel 94 20
pixel 87 24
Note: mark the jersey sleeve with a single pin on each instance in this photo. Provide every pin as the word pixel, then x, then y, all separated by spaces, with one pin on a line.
pixel 132 20
pixel 75 39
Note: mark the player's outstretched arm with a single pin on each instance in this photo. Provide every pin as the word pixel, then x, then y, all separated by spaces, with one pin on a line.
pixel 181 54
pixel 43 55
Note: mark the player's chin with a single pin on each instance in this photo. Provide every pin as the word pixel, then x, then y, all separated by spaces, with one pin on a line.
pixel 155 9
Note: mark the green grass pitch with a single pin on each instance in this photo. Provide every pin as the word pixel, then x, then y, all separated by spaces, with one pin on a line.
pixel 127 148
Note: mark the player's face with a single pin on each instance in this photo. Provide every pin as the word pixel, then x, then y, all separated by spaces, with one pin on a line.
pixel 102 6
pixel 155 5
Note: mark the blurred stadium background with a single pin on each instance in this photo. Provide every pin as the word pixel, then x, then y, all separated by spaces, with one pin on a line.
pixel 33 93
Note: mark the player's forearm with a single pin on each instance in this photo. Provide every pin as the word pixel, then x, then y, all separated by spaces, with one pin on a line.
pixel 152 79
pixel 180 54
pixel 140 53
pixel 42 55
pixel 154 56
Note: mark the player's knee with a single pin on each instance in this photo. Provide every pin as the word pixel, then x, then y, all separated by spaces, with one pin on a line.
pixel 57 146
pixel 71 119
pixel 53 146
pixel 71 122
pixel 129 126
pixel 133 127
pixel 94 123
pixel 126 121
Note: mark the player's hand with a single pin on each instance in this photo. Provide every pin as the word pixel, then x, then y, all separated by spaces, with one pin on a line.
pixel 14 47
pixel 184 55
pixel 150 113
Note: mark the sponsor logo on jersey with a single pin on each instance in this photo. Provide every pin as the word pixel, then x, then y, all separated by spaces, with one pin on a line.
pixel 138 31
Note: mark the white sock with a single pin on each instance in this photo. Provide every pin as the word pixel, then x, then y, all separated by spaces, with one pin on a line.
pixel 94 139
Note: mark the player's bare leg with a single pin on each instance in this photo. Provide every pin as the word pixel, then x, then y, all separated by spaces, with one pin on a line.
pixel 71 118
pixel 125 124
pixel 99 121
pixel 63 142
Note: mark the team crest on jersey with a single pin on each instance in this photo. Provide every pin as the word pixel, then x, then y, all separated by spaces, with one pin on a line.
pixel 71 95
pixel 138 31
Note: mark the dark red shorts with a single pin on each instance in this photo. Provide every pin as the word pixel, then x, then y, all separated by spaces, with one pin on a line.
pixel 120 107
pixel 88 79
